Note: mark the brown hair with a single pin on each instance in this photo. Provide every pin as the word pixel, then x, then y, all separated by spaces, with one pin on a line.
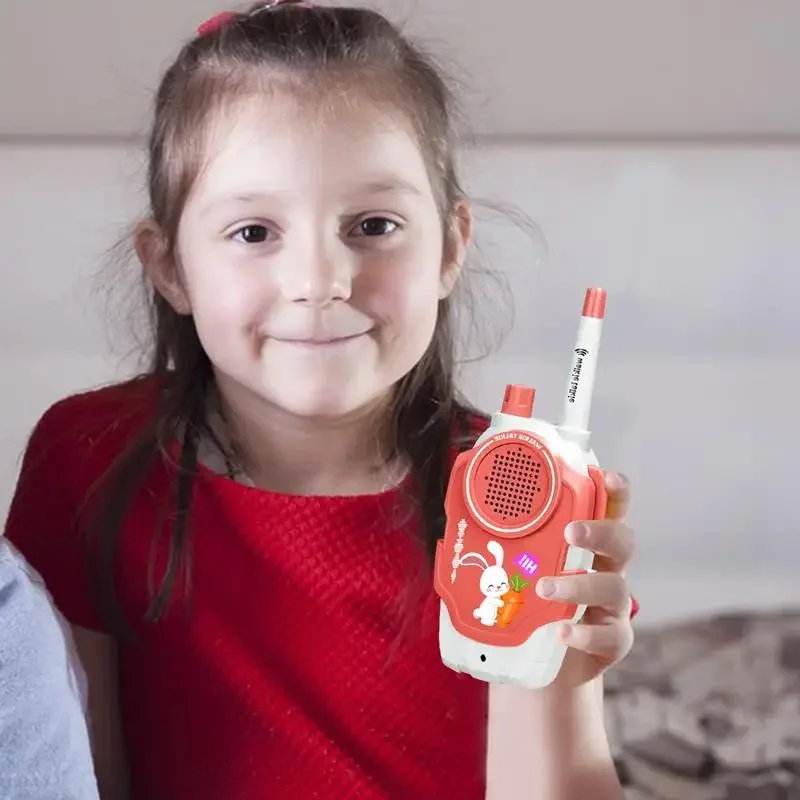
pixel 303 45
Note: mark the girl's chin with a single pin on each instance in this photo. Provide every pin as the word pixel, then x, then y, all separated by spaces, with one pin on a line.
pixel 329 402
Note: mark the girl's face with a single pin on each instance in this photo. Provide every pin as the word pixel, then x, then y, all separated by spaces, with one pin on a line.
pixel 312 256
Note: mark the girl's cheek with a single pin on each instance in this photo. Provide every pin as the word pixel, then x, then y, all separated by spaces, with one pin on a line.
pixel 227 292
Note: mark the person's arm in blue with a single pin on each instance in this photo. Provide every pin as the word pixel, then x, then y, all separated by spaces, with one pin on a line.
pixel 44 739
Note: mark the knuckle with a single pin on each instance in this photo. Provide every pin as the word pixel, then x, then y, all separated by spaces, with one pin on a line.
pixel 618 592
pixel 627 534
pixel 601 532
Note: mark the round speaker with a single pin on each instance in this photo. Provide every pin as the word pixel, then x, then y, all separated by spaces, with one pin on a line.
pixel 512 485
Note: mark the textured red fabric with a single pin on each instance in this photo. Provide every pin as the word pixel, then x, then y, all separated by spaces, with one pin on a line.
pixel 285 679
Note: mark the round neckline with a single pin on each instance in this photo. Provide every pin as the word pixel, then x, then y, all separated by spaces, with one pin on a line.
pixel 221 435
pixel 207 474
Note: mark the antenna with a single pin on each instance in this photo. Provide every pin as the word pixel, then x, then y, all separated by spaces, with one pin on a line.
pixel 580 384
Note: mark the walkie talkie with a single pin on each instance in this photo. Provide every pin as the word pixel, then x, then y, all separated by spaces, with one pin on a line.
pixel 508 502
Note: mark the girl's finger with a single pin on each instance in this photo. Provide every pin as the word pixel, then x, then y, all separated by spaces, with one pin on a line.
pixel 610 641
pixel 606 590
pixel 613 541
pixel 618 488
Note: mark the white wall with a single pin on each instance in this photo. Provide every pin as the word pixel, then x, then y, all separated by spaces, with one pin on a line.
pixel 701 359
pixel 528 67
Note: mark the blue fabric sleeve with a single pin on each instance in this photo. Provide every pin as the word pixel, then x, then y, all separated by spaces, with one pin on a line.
pixel 45 750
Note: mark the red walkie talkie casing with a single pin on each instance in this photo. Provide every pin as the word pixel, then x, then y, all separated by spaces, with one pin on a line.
pixel 508 503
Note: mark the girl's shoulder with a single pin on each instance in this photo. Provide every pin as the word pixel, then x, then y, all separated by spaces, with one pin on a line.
pixel 114 407
pixel 93 425
pixel 73 445
pixel 75 442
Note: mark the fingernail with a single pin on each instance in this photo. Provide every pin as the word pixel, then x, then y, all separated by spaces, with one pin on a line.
pixel 576 533
pixel 616 480
pixel 546 587
pixel 565 633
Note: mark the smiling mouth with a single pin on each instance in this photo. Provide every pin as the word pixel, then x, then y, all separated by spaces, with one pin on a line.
pixel 331 341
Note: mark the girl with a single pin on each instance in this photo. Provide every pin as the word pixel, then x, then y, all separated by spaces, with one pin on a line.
pixel 256 613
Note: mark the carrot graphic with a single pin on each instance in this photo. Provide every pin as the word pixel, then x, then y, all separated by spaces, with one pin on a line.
pixel 512 601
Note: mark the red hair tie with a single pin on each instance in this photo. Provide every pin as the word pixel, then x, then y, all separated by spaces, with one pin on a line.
pixel 217 22
pixel 223 18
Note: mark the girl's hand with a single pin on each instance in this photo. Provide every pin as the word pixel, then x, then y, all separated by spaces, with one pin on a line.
pixel 604 636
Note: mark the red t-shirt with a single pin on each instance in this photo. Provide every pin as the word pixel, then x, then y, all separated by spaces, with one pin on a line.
pixel 282 678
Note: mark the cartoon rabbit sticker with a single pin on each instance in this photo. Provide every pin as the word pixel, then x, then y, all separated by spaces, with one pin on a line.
pixel 494 582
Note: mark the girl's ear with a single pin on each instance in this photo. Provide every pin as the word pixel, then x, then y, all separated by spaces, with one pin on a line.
pixel 159 265
pixel 457 240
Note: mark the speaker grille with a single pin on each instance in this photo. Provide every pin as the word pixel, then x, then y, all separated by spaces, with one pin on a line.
pixel 510 482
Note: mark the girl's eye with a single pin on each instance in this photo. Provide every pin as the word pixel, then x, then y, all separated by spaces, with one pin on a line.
pixel 252 234
pixel 376 226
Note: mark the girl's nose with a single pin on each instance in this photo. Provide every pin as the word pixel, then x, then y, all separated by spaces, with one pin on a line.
pixel 318 276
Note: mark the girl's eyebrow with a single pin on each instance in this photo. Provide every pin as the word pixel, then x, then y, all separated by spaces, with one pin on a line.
pixel 387 186
pixel 390 185
pixel 237 199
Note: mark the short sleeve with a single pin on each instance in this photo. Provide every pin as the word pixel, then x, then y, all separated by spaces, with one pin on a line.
pixel 43 518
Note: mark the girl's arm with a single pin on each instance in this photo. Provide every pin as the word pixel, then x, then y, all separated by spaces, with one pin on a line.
pixel 99 656
pixel 549 745
pixel 552 744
